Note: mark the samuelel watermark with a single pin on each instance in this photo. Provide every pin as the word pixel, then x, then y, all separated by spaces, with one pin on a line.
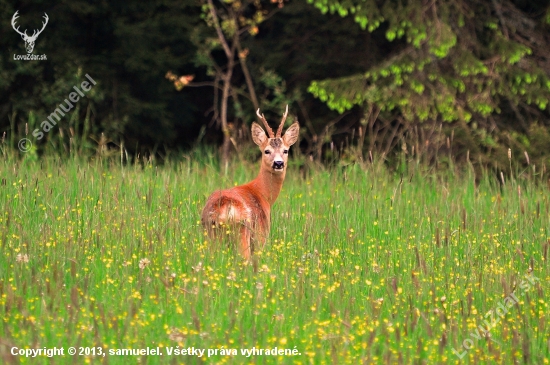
pixel 29 40
pixel 25 144
pixel 494 316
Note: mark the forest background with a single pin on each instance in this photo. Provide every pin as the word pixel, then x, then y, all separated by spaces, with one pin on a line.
pixel 446 81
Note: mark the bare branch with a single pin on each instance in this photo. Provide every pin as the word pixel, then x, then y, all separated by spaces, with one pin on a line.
pixel 247 76
pixel 219 29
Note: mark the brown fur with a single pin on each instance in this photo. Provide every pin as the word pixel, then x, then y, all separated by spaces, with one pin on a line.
pixel 247 208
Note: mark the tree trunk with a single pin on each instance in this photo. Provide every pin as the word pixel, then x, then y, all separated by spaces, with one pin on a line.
pixel 226 80
pixel 226 147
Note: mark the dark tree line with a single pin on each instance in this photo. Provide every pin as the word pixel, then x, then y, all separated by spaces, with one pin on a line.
pixel 468 79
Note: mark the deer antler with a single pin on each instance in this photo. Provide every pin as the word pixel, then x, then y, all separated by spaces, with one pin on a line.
pixel 13 20
pixel 267 127
pixel 43 26
pixel 280 130
pixel 24 34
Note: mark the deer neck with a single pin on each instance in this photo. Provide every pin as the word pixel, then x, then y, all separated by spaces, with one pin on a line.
pixel 269 184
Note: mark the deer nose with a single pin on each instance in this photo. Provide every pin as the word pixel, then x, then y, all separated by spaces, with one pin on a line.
pixel 278 164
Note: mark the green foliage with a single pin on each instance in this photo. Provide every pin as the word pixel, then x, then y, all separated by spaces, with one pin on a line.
pixel 274 93
pixel 445 71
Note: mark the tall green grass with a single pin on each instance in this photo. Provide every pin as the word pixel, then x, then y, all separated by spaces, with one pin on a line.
pixel 362 265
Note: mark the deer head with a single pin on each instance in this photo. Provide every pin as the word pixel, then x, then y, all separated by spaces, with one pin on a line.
pixel 29 40
pixel 274 148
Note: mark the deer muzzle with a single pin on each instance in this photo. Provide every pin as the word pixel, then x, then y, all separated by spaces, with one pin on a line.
pixel 278 165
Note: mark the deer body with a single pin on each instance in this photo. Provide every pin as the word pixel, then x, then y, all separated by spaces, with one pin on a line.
pixel 247 208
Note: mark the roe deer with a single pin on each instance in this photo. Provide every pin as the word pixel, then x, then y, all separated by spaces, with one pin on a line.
pixel 247 208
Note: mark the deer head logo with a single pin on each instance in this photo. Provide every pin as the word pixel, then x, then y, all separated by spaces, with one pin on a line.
pixel 29 40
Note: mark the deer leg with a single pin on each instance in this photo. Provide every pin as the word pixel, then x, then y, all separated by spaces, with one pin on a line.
pixel 262 239
pixel 246 248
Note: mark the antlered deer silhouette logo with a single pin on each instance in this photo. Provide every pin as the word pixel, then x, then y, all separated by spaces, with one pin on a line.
pixel 29 40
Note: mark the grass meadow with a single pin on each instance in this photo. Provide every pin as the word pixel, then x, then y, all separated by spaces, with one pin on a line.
pixel 363 266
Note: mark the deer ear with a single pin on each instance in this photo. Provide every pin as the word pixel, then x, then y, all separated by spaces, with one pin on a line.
pixel 291 134
pixel 258 134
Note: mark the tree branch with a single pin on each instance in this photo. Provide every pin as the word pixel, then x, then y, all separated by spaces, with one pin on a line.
pixel 219 29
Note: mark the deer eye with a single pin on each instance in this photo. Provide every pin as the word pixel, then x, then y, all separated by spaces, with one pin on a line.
pixel 285 152
pixel 267 152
